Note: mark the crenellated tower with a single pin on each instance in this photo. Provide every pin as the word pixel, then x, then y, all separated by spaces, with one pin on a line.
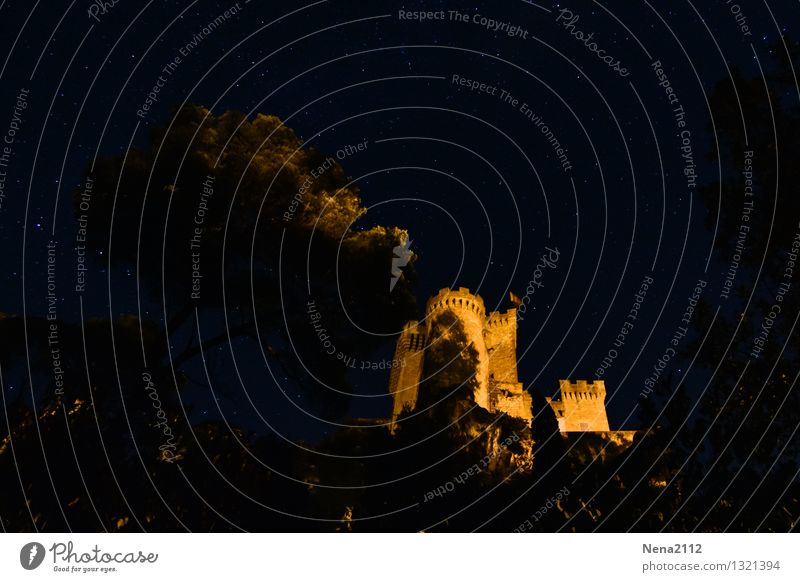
pixel 470 311
pixel 506 393
pixel 493 338
pixel 582 406
pixel 404 379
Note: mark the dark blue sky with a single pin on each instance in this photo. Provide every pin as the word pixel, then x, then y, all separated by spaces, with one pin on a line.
pixel 442 161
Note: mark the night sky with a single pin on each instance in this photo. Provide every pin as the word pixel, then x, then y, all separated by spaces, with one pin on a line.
pixel 458 120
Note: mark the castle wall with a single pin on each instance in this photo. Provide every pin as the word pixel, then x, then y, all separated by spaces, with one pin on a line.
pixel 512 399
pixel 404 379
pixel 582 406
pixel 500 337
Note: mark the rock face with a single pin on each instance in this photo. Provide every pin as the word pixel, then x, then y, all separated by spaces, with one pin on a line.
pixel 494 339
pixel 512 454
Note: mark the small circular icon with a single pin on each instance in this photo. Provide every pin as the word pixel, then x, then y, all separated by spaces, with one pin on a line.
pixel 31 555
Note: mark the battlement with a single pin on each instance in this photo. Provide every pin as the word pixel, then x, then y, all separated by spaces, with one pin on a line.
pixel 582 406
pixel 461 299
pixel 497 319
pixel 582 389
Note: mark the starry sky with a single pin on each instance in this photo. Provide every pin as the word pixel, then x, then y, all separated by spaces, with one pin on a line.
pixel 472 177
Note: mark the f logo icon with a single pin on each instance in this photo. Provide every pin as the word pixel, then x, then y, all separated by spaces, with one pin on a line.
pixel 402 255
pixel 31 555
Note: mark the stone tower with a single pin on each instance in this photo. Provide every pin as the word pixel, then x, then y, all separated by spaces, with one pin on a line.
pixel 493 338
pixel 582 406
pixel 404 379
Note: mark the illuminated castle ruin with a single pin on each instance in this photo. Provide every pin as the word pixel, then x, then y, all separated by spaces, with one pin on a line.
pixel 580 409
pixel 494 338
